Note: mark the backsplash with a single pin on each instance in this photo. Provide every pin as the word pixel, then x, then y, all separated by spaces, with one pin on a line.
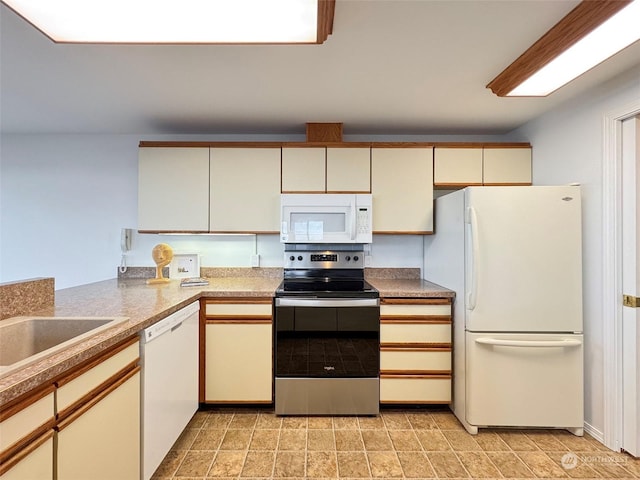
pixel 26 296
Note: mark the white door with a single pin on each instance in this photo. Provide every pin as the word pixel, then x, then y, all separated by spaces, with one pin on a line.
pixel 531 380
pixel 631 284
pixel 524 259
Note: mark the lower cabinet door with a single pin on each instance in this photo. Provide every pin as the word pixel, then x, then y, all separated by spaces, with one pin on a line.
pixel 34 463
pixel 102 440
pixel 238 362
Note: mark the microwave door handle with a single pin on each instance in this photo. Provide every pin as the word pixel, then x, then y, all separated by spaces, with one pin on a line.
pixel 353 220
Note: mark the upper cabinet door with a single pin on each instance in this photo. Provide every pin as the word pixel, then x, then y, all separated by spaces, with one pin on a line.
pixel 173 189
pixel 402 186
pixel 245 190
pixel 303 170
pixel 456 167
pixel 349 170
pixel 507 166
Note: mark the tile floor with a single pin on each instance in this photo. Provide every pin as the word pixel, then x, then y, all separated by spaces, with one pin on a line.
pixel 418 443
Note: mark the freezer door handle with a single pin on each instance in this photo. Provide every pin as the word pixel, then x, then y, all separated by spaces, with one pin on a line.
pixel 528 343
pixel 475 248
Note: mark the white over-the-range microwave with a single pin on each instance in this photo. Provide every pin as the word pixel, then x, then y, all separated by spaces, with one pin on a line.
pixel 326 218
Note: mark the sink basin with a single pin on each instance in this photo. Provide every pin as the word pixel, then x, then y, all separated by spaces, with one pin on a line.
pixel 24 340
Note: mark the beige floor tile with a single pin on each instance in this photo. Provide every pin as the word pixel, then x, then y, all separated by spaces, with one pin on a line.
pixel 396 420
pixel 289 464
pixel 433 440
pixel 445 420
pixel 345 423
pixel 169 464
pixel 268 420
pixel 478 465
pixel 610 470
pixel 227 464
pixel 416 465
pixel 218 420
pixel 321 440
pixel 491 441
pixel 376 440
pixel 236 440
pixel 348 440
pixel 322 423
pixel 208 439
pixel 518 441
pixel 405 440
pixel 196 463
pixel 546 440
pixel 384 465
pixel 542 465
pixel 421 421
pixel 321 465
pixel 186 438
pixel 293 439
pixel 198 420
pixel 461 440
pixel 367 423
pixel 447 465
pixel 510 465
pixel 575 444
pixel 258 464
pixel 243 420
pixel 263 439
pixel 294 422
pixel 353 465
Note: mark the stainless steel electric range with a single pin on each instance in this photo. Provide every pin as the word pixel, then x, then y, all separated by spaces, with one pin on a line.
pixel 327 333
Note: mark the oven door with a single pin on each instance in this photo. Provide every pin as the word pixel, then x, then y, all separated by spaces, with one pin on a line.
pixel 327 356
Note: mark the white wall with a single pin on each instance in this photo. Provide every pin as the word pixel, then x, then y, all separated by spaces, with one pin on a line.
pixel 568 147
pixel 64 199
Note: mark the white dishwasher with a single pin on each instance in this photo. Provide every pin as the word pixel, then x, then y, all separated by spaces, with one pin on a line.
pixel 169 356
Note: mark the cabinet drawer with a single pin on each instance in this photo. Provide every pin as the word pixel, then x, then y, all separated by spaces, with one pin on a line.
pixel 73 388
pixel 397 332
pixel 415 389
pixel 29 416
pixel 238 309
pixel 415 310
pixel 418 360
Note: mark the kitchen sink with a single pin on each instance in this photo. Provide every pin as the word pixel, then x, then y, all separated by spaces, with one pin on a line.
pixel 24 340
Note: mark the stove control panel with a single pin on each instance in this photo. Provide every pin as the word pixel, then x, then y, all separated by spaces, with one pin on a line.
pixel 325 260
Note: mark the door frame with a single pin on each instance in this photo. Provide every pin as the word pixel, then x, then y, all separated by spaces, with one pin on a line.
pixel 612 271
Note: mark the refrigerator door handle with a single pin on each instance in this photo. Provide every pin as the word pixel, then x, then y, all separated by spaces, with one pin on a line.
pixel 528 343
pixel 473 222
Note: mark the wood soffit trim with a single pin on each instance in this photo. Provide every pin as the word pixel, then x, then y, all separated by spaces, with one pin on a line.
pixel 326 11
pixel 585 17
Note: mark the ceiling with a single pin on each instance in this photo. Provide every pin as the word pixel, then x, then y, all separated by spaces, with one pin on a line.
pixel 408 67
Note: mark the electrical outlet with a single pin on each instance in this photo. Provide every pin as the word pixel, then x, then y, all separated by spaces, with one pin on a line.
pixel 255 260
pixel 367 260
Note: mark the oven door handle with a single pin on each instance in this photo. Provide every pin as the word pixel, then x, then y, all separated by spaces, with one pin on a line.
pixel 327 302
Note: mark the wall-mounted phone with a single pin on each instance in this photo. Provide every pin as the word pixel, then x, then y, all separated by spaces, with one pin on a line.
pixel 125 246
pixel 125 239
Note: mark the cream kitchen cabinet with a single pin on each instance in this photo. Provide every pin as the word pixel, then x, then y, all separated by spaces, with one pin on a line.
pixel 26 437
pixel 245 190
pixel 173 189
pixel 326 169
pixel 415 350
pixel 98 426
pixel 304 169
pixel 237 366
pixel 402 188
pixel 456 167
pixel 506 166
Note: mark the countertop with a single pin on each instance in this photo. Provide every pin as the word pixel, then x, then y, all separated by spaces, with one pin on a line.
pixel 146 304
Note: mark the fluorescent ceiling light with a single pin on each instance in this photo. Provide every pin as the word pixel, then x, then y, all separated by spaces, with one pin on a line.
pixel 600 34
pixel 177 21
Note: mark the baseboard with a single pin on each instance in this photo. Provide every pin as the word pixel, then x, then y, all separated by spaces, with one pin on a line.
pixel 594 432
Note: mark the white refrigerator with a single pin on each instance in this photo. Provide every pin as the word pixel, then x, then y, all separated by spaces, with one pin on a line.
pixel 513 255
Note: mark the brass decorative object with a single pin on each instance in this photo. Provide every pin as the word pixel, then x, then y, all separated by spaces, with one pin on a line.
pixel 162 254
